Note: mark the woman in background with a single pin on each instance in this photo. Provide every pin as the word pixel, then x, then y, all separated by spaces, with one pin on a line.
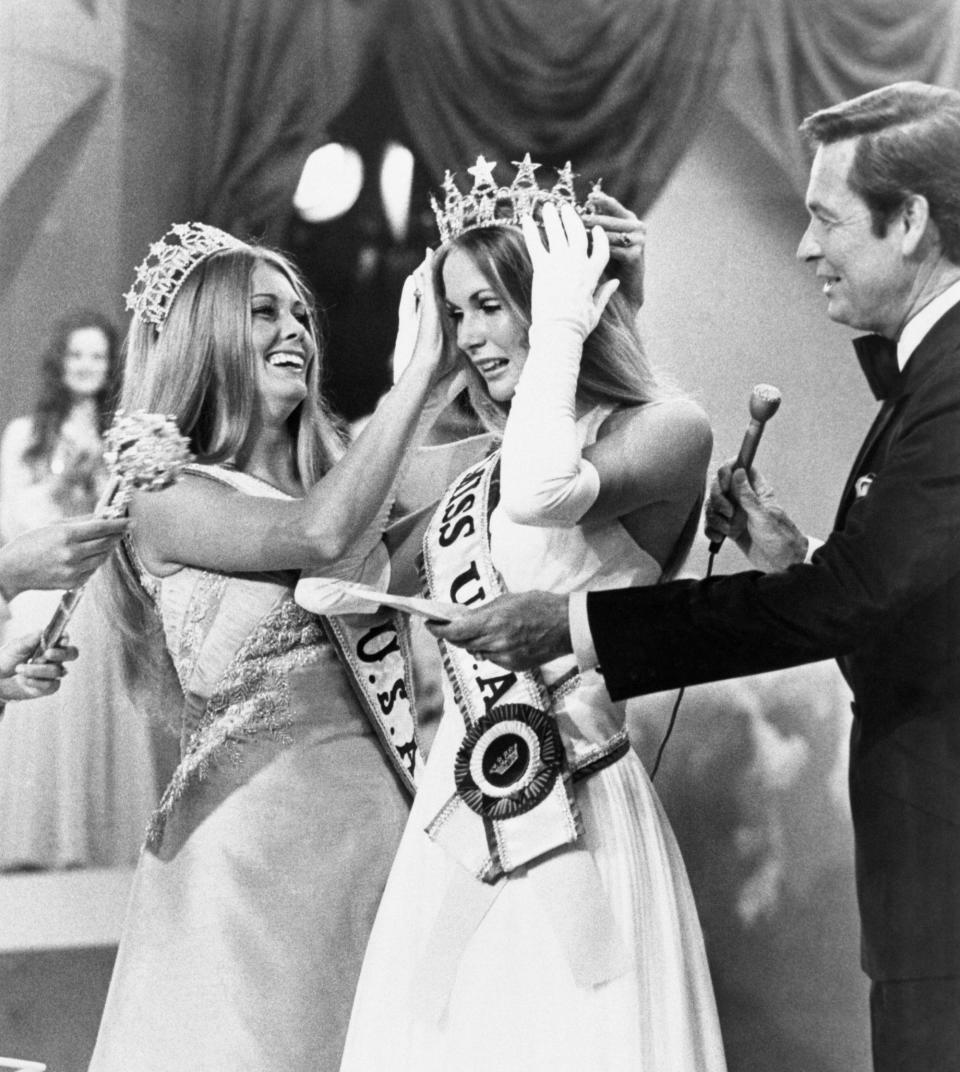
pixel 254 896
pixel 538 914
pixel 76 785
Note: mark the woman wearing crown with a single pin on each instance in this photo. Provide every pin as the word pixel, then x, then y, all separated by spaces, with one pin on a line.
pixel 538 914
pixel 255 893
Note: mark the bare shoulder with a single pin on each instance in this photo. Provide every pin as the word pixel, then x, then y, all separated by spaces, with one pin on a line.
pixel 204 523
pixel 191 493
pixel 676 428
pixel 652 461
pixel 162 518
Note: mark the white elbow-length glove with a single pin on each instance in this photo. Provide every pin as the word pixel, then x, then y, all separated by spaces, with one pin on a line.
pixel 544 480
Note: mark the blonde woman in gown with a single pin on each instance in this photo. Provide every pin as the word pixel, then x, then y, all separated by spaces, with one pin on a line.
pixel 588 953
pixel 253 900
pixel 254 895
pixel 77 781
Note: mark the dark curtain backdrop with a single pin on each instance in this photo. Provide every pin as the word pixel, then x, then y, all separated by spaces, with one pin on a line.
pixel 223 101
pixel 618 87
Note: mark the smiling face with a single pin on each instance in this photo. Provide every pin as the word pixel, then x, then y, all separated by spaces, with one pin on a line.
pixel 867 280
pixel 282 343
pixel 86 362
pixel 487 331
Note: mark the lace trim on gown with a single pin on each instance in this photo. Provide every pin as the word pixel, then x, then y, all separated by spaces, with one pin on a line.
pixel 252 698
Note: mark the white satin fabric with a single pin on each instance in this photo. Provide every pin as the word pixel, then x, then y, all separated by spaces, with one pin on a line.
pixel 514 1001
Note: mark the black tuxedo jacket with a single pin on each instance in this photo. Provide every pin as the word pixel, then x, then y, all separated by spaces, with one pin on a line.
pixel 882 596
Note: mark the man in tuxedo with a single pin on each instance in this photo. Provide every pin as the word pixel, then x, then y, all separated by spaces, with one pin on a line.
pixel 881 595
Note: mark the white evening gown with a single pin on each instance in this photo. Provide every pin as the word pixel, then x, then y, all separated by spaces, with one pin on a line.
pixel 514 1003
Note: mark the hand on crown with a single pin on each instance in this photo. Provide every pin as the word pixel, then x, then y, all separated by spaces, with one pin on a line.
pixel 566 289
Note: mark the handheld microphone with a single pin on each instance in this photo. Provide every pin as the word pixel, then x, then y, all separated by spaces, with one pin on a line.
pixel 764 403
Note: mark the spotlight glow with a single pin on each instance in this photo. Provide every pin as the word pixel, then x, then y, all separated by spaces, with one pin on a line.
pixel 330 183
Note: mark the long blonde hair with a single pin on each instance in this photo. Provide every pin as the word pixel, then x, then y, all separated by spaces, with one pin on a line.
pixel 614 368
pixel 201 370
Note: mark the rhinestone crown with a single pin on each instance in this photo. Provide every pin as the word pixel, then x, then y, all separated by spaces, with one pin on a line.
pixel 162 272
pixel 489 205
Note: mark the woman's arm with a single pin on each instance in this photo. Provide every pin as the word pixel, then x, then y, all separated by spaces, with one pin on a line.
pixel 544 479
pixel 197 522
pixel 648 460
pixel 650 456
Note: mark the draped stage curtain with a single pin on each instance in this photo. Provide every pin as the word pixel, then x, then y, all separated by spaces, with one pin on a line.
pixel 248 89
pixel 222 102
pixel 119 117
pixel 792 57
pixel 620 87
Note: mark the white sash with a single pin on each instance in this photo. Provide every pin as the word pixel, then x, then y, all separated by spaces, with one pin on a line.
pixel 514 805
pixel 514 800
pixel 375 650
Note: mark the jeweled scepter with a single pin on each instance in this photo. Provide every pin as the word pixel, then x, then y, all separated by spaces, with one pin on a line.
pixel 145 452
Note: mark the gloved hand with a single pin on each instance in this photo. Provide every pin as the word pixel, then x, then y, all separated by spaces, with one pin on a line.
pixel 566 287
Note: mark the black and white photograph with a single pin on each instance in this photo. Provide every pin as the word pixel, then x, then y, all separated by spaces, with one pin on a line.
pixel 479 566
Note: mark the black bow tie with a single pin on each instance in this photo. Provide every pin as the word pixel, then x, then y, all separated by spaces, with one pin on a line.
pixel 878 359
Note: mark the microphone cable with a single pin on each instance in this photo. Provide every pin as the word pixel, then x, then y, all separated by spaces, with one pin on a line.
pixel 764 403
pixel 676 704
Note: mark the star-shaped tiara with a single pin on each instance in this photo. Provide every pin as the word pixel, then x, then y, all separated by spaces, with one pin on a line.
pixel 488 205
pixel 162 272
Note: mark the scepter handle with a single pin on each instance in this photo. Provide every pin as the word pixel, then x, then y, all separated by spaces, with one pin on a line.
pixel 57 625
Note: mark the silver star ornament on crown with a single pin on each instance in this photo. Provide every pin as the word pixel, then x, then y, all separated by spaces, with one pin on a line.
pixel 161 273
pixel 489 205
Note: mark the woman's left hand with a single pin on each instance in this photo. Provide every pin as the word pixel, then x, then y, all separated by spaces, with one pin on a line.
pixel 627 235
pixel 566 284
pixel 21 680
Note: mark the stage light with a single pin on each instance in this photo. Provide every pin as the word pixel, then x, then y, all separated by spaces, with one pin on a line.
pixel 330 183
pixel 396 181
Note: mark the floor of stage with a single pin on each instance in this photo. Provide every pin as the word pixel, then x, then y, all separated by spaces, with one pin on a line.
pixel 778 1009
pixel 58 935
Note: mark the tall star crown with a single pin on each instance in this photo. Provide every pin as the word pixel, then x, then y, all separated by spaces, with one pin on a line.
pixel 162 272
pixel 488 204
